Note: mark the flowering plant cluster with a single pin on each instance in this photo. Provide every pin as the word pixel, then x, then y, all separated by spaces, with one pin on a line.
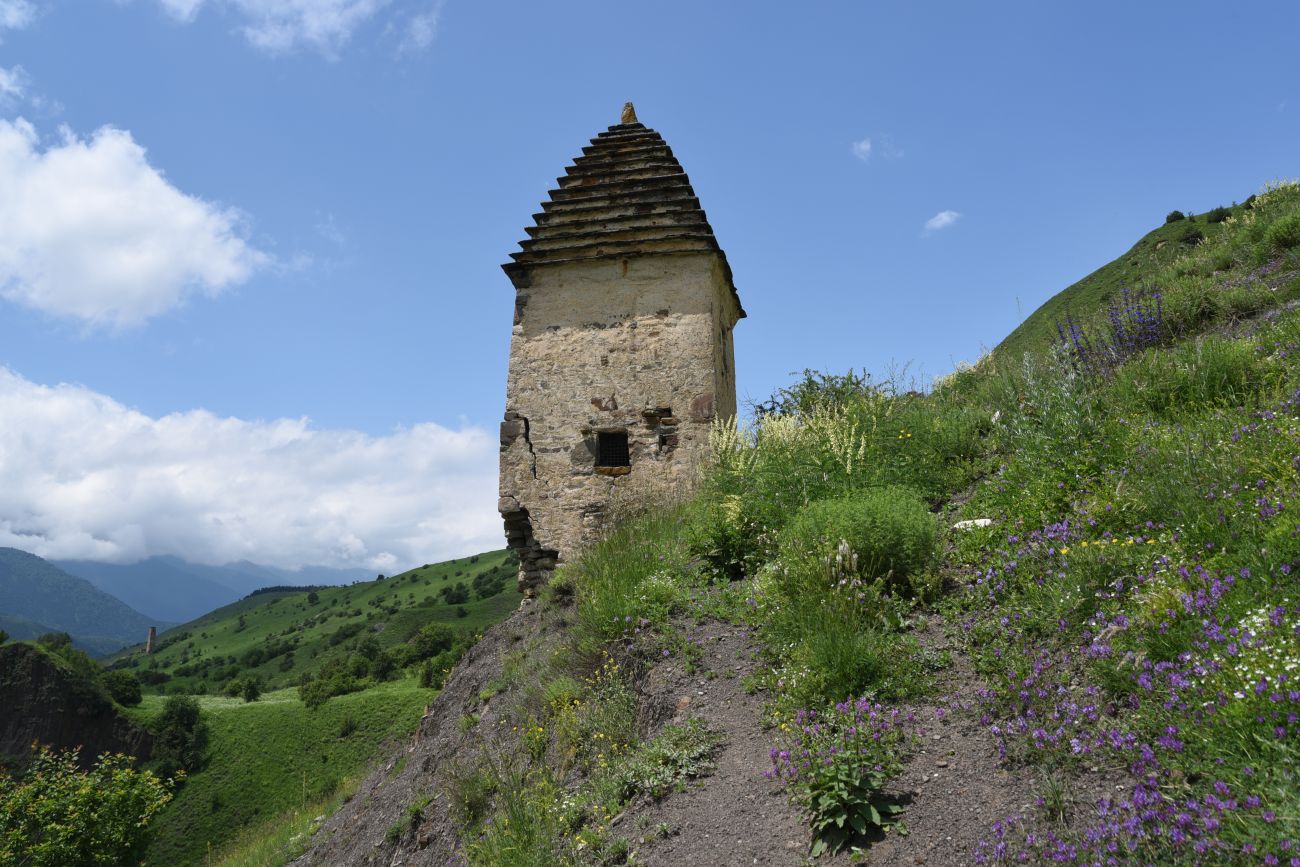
pixel 1133 322
pixel 1166 653
pixel 837 766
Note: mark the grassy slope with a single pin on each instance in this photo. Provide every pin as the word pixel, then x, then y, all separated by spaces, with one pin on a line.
pixel 1132 607
pixel 1136 269
pixel 274 755
pixel 392 610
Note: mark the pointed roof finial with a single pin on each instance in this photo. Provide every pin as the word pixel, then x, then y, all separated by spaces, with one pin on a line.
pixel 629 114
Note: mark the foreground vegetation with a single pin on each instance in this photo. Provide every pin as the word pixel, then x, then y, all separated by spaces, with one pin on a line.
pixel 1127 588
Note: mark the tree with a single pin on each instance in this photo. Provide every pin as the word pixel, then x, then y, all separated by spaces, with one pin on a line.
pixel 124 687
pixel 312 597
pixel 252 689
pixel 59 816
pixel 180 736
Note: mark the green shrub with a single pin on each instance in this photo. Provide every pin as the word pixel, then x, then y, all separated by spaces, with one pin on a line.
pixel 889 529
pixel 1218 215
pixel 1284 234
pixel 180 736
pixel 1205 372
pixel 1174 217
pixel 816 391
pixel 1191 236
pixel 678 754
pixel 124 687
pixel 58 815
pixel 630 575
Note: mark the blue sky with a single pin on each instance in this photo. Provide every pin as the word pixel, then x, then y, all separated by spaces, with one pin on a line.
pixel 279 223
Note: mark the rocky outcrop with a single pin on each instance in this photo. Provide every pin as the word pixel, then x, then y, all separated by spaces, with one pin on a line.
pixel 43 701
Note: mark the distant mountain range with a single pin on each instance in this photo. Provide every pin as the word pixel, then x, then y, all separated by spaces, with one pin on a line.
pixel 175 591
pixel 38 597
pixel 107 606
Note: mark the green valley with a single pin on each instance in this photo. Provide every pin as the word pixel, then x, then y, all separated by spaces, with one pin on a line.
pixel 277 636
pixel 373 651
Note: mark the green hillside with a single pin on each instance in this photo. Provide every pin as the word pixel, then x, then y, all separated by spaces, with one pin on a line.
pixel 1152 263
pixel 385 643
pixel 268 757
pixel 33 590
pixel 279 635
pixel 1063 591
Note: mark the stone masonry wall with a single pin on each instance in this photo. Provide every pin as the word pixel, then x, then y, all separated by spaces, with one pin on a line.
pixel 640 344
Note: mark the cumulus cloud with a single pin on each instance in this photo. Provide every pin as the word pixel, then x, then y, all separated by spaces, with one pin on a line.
pixel 941 220
pixel 16 14
pixel 862 149
pixel 84 477
pixel 90 230
pixel 278 26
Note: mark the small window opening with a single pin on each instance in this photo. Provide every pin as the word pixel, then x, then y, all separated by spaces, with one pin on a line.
pixel 611 449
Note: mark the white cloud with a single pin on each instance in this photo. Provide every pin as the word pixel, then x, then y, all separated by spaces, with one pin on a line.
pixel 862 149
pixel 278 26
pixel 13 83
pixel 422 29
pixel 185 10
pixel 16 14
pixel 90 230
pixel 889 149
pixel 941 220
pixel 84 477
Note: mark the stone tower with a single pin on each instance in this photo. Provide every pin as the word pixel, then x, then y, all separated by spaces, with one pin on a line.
pixel 621 352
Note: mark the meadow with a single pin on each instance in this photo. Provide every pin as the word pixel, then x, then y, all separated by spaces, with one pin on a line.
pixel 268 761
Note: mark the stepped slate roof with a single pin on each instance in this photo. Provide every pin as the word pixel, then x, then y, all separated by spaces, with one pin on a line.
pixel 625 196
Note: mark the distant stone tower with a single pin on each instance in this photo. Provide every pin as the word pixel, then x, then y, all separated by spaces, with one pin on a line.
pixel 621 352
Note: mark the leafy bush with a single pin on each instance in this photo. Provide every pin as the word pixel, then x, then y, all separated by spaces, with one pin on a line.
pixel 124 687
pixel 251 689
pixel 1191 236
pixel 1174 217
pixel 890 531
pixel 432 639
pixel 58 816
pixel 1284 234
pixel 1218 215
pixel 816 391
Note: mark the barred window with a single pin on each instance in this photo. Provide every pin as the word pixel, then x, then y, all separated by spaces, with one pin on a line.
pixel 611 449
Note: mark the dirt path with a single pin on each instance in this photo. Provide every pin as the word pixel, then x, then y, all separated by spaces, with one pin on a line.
pixel 957 784
pixel 734 816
